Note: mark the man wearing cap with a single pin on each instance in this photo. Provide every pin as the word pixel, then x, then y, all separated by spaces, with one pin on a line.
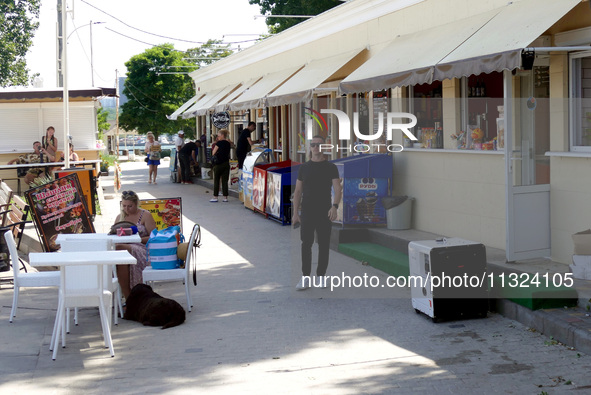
pixel 179 142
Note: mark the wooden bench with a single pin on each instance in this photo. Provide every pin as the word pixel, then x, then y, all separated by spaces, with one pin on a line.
pixel 5 199
pixel 14 218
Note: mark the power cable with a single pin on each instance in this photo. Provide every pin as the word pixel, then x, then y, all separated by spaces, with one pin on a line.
pixel 140 103
pixel 84 50
pixel 154 34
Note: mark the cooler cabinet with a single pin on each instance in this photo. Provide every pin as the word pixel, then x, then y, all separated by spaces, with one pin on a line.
pixel 444 262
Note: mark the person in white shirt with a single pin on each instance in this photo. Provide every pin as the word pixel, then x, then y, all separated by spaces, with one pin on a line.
pixel 179 142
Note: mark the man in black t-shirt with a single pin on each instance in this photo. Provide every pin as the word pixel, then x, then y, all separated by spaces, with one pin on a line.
pixel 244 143
pixel 188 152
pixel 313 194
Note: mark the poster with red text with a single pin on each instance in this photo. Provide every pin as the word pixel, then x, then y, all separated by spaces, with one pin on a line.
pixel 59 207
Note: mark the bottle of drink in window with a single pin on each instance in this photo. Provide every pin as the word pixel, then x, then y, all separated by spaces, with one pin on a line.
pixel 482 89
pixel 477 88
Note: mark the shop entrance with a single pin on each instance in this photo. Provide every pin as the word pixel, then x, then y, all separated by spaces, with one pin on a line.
pixel 527 126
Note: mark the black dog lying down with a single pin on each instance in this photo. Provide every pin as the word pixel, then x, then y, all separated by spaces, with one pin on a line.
pixel 149 308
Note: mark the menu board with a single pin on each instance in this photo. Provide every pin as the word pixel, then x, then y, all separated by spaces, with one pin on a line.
pixel 87 180
pixel 166 212
pixel 59 207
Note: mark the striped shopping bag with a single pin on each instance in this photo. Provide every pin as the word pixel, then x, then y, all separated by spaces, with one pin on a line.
pixel 162 247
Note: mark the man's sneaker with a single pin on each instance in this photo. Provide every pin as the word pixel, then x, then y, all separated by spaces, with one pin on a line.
pixel 303 284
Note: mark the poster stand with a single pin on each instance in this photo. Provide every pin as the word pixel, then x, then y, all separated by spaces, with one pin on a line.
pixel 59 207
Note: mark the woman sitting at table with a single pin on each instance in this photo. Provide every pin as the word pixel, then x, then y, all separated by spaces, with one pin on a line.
pixel 131 275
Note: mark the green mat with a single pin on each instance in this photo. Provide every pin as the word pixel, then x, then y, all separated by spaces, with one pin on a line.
pixel 390 261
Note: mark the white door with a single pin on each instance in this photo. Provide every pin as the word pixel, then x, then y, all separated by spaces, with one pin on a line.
pixel 527 138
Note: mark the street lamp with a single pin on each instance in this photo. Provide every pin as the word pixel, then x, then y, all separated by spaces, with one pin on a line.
pixel 91 52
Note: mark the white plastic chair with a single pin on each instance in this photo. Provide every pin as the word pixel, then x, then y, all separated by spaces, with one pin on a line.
pixel 111 281
pixel 38 279
pixel 81 286
pixel 183 274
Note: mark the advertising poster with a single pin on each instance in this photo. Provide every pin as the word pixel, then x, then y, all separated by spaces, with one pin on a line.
pixel 59 207
pixel 248 186
pixel 166 211
pixel 234 178
pixel 258 189
pixel 362 203
pixel 274 194
pixel 87 180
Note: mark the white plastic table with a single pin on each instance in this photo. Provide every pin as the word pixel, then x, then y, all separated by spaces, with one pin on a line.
pixel 64 237
pixel 82 258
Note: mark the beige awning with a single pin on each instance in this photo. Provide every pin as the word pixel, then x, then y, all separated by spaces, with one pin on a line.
pixel 409 59
pixel 181 109
pixel 190 113
pixel 255 96
pixel 223 104
pixel 214 100
pixel 300 87
pixel 491 41
pixel 497 45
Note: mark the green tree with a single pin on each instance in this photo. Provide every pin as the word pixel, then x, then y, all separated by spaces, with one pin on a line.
pixel 18 23
pixel 291 7
pixel 102 124
pixel 153 95
pixel 208 53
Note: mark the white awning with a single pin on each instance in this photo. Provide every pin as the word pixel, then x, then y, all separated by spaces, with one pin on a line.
pixel 255 96
pixel 491 41
pixel 223 104
pixel 214 99
pixel 190 113
pixel 409 59
pixel 181 109
pixel 497 45
pixel 300 88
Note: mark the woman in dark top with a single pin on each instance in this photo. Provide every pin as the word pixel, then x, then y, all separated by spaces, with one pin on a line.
pixel 222 168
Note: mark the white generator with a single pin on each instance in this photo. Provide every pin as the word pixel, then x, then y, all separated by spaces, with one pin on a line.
pixel 448 278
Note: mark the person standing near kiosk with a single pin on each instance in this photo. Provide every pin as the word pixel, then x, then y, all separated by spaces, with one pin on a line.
pixel 245 143
pixel 179 142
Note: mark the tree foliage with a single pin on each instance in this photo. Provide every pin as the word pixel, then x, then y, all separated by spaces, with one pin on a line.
pixel 18 23
pixel 102 123
pixel 291 7
pixel 208 53
pixel 151 95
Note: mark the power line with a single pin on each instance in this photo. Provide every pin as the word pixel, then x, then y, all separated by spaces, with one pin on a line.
pixel 154 34
pixel 140 91
pixel 138 102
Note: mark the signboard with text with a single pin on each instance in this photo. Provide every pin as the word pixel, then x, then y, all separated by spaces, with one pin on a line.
pixel 166 211
pixel 59 207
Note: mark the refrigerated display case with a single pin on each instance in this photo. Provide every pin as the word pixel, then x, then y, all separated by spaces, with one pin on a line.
pixel 259 188
pixel 448 278
pixel 258 156
pixel 280 183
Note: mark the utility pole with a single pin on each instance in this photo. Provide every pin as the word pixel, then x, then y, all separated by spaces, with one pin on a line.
pixel 117 112
pixel 91 60
pixel 60 43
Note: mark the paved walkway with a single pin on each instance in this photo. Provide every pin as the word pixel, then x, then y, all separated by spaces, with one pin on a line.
pixel 250 332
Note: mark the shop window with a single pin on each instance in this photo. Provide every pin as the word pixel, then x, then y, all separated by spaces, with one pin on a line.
pixel 580 102
pixel 426 105
pixel 482 113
